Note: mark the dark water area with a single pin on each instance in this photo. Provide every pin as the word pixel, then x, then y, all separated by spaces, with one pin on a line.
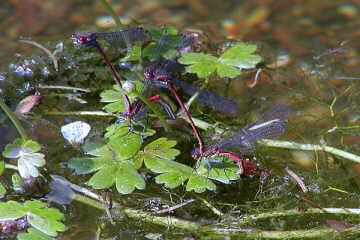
pixel 310 53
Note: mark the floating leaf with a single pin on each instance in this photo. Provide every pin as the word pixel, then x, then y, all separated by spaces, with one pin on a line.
pixel 241 56
pixel 135 53
pixel 158 156
pixel 119 130
pixel 45 220
pixel 28 159
pixel 111 164
pixel 33 234
pixel 220 169
pixel 229 64
pixel 115 99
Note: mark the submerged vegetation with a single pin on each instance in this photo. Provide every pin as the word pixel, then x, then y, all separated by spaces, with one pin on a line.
pixel 125 151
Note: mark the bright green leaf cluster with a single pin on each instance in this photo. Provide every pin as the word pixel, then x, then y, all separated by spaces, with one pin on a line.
pixel 28 158
pixel 115 100
pixel 112 164
pixel 229 64
pixel 43 219
pixel 2 188
pixel 158 157
pixel 33 234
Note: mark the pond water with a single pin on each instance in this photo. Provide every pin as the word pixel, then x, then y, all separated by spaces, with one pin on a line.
pixel 310 60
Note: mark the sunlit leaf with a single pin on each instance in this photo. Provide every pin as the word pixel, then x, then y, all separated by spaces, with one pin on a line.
pixel 2 167
pixel 2 189
pixel 219 169
pixel 115 99
pixel 158 157
pixel 241 56
pixel 112 164
pixel 28 159
pixel 126 148
pixel 29 163
pixel 33 234
pixel 229 64
pixel 119 130
pixel 43 219
pixel 200 184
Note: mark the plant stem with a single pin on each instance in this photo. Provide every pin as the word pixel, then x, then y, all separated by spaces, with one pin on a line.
pixel 138 214
pixel 112 13
pixel 152 108
pixel 310 147
pixel 81 113
pixel 214 229
pixel 295 212
pixel 14 120
pixel 10 166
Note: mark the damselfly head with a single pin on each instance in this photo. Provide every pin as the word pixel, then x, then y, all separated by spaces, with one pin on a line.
pixel 148 72
pixel 196 153
pixel 83 40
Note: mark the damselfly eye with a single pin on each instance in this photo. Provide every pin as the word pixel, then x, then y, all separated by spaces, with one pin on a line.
pixel 196 156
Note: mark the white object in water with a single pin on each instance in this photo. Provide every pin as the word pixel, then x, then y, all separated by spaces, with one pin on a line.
pixel 75 132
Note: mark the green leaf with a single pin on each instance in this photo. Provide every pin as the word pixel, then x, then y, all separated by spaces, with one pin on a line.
pixel 28 159
pixel 134 55
pixel 221 169
pixel 158 156
pixel 11 210
pixel 120 130
pixel 2 167
pixel 28 164
pixel 13 150
pixel 2 189
pixel 162 148
pixel 43 219
pixel 115 99
pixel 16 180
pixel 229 64
pixel 127 147
pixel 227 71
pixel 33 234
pixel 200 58
pixel 97 147
pixel 150 49
pixel 240 56
pixel 199 184
pixel 156 33
pixel 201 69
pixel 111 164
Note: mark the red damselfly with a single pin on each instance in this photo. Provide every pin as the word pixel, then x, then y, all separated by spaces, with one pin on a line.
pixel 139 108
pixel 123 39
pixel 269 125
pixel 161 73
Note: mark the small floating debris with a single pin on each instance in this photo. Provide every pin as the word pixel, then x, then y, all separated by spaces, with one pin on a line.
pixel 76 132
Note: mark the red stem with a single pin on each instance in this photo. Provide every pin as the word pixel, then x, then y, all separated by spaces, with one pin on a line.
pixel 201 143
pixel 117 80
